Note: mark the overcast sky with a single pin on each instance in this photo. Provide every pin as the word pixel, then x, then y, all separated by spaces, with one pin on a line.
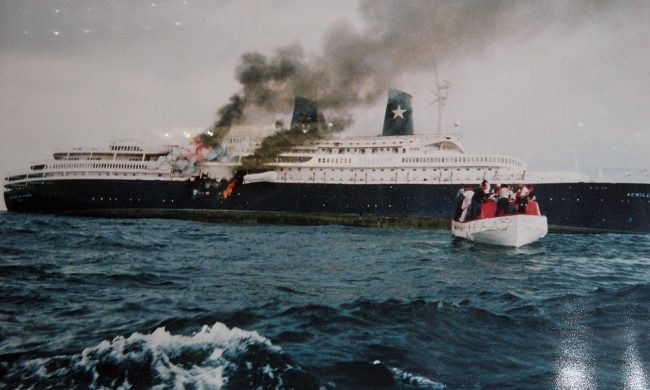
pixel 528 78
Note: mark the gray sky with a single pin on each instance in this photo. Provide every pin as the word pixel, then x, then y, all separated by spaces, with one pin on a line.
pixel 528 78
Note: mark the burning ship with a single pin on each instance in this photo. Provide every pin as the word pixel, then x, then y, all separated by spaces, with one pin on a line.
pixel 398 178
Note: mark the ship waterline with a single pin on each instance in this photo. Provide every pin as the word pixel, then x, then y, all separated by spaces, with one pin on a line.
pixel 588 207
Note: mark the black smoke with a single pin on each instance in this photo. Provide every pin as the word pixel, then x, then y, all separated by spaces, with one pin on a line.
pixel 357 67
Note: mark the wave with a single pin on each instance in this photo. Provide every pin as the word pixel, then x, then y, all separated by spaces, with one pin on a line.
pixel 378 375
pixel 215 357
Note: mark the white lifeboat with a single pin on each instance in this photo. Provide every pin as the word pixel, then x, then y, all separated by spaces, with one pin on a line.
pixel 509 230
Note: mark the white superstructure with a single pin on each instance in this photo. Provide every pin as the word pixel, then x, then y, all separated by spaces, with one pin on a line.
pixel 119 160
pixel 412 159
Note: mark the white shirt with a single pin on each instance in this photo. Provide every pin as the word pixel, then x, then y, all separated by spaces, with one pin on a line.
pixel 504 192
pixel 467 198
pixel 524 191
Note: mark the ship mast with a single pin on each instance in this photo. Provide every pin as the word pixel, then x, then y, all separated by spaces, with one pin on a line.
pixel 441 93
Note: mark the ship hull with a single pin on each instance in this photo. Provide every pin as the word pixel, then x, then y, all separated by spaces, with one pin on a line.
pixel 588 207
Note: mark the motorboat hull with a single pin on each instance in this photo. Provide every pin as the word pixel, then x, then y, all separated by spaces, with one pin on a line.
pixel 511 230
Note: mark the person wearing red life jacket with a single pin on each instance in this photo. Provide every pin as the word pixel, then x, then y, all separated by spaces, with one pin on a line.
pixel 532 208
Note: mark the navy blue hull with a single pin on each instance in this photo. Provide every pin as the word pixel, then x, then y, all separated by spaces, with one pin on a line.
pixel 574 206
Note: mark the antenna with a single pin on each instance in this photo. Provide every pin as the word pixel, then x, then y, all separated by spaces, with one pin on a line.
pixel 441 95
pixel 575 158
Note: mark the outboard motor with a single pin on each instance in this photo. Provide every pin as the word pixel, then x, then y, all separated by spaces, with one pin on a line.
pixel 305 113
pixel 399 114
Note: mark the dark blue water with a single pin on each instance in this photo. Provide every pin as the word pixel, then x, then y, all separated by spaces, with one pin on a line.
pixel 176 304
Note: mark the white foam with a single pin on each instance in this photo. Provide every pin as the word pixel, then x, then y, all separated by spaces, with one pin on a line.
pixel 412 379
pixel 177 361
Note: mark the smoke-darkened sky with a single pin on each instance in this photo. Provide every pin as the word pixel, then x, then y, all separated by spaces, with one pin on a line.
pixel 528 78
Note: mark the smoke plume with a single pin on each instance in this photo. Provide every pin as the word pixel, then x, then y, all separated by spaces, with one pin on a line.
pixel 358 67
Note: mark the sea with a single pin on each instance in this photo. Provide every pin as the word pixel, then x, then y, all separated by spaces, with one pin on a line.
pixel 168 304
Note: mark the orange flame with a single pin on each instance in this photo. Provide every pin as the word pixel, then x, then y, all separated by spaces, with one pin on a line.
pixel 228 191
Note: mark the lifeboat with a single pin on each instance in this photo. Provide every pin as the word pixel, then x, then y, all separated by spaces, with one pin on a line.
pixel 513 230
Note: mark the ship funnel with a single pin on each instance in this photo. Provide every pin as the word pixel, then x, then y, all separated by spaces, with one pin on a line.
pixel 399 114
pixel 305 113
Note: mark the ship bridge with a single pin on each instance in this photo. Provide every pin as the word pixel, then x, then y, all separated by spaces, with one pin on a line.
pixel 450 142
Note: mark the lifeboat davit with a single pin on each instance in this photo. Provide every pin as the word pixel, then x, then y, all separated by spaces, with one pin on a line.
pixel 508 230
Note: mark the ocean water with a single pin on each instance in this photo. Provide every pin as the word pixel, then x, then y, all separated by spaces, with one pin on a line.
pixel 112 303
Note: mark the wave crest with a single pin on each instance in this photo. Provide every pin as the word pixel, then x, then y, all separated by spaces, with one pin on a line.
pixel 212 358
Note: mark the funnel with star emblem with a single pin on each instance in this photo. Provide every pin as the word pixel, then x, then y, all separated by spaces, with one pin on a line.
pixel 399 115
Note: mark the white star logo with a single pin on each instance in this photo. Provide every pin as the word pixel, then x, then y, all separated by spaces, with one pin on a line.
pixel 399 112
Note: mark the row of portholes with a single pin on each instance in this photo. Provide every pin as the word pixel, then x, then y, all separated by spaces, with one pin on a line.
pixel 111 199
pixel 504 160
pixel 95 166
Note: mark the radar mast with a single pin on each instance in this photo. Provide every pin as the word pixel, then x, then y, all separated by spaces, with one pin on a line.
pixel 441 93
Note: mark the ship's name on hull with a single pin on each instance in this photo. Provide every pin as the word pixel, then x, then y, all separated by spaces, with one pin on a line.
pixel 638 194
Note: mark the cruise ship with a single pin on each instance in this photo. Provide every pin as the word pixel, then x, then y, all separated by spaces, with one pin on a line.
pixel 398 178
